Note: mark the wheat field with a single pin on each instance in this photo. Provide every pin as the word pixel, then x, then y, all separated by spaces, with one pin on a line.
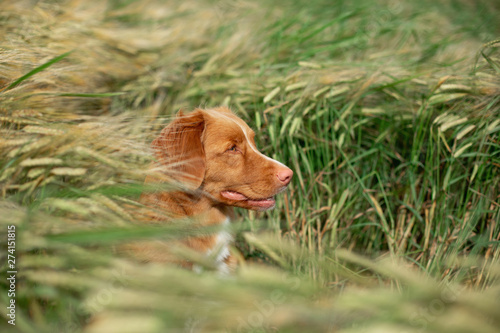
pixel 387 111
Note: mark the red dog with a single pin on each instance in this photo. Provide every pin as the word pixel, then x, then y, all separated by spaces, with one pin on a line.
pixel 213 153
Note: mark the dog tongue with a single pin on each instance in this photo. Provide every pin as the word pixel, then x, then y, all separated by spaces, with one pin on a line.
pixel 233 195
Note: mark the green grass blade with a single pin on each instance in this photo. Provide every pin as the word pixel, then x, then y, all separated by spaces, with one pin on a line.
pixel 492 63
pixel 38 70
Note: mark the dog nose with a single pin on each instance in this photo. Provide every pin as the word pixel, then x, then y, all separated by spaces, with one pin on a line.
pixel 285 176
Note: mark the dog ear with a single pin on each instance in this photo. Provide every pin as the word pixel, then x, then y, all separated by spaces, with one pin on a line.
pixel 179 148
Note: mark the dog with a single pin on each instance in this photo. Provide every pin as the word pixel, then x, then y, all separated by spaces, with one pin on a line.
pixel 213 154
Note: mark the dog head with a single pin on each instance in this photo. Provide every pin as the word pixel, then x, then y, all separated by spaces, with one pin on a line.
pixel 214 151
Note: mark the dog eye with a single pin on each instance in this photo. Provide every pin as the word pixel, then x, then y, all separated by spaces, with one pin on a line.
pixel 233 149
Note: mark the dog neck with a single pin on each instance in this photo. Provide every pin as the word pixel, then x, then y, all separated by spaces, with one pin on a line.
pixel 179 204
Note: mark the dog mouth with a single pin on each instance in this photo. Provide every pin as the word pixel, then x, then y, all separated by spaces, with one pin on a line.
pixel 266 203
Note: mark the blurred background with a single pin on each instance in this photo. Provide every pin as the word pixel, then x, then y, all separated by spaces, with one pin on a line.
pixel 387 111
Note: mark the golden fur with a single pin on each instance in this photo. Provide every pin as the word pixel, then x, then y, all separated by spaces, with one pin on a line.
pixel 212 152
